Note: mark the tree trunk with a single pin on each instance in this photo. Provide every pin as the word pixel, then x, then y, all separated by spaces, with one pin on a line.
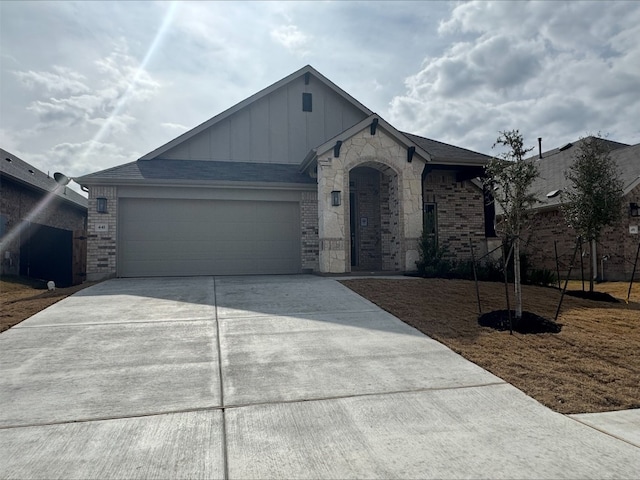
pixel 516 275
pixel 593 266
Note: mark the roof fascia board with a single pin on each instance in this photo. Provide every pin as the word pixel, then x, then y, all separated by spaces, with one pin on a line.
pixel 634 183
pixel 257 96
pixel 203 184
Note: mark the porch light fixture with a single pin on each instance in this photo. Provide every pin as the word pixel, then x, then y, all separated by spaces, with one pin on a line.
pixel 101 205
pixel 634 211
pixel 335 198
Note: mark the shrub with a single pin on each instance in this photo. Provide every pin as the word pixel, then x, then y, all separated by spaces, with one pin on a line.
pixel 541 276
pixel 433 259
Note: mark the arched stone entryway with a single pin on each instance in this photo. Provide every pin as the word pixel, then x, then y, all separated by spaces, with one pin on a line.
pixel 374 236
pixel 398 204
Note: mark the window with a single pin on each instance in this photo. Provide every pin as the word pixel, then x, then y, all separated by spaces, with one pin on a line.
pixel 430 222
pixel 101 205
pixel 306 102
pixel 3 225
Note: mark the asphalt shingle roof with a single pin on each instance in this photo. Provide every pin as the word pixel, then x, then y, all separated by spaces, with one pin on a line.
pixel 555 163
pixel 20 171
pixel 445 152
pixel 202 171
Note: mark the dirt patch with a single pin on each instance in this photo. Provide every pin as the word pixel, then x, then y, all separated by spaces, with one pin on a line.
pixel 20 298
pixel 528 323
pixel 592 365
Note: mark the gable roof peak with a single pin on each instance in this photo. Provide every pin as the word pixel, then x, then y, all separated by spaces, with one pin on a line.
pixel 253 98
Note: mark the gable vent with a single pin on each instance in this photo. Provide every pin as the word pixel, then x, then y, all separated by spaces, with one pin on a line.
pixel 307 102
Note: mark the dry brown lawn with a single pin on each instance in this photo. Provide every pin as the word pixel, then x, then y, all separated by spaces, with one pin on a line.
pixel 592 365
pixel 21 298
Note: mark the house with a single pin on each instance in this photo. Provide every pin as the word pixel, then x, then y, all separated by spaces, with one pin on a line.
pixel 41 225
pixel 300 177
pixel 617 247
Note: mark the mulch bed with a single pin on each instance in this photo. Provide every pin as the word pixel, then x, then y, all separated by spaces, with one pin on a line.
pixel 597 296
pixel 528 323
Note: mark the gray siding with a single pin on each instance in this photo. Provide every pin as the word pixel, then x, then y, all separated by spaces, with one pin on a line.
pixel 273 129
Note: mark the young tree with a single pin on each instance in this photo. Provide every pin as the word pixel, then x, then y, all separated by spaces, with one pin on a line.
pixel 594 197
pixel 509 177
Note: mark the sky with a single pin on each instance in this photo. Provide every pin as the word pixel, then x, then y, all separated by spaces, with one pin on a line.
pixel 86 86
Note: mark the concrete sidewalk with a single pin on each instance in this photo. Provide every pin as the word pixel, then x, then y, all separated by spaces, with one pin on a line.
pixel 269 377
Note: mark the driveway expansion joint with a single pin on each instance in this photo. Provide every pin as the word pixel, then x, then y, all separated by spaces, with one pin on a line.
pixel 362 395
pixel 111 418
pixel 617 437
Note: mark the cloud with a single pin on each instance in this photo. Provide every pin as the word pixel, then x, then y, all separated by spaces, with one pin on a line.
pixel 550 69
pixel 59 80
pixel 174 126
pixel 70 158
pixel 69 101
pixel 290 37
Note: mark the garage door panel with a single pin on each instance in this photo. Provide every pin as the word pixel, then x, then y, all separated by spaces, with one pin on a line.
pixel 205 237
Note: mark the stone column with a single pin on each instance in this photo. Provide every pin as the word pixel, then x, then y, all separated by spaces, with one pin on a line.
pixel 331 219
pixel 411 214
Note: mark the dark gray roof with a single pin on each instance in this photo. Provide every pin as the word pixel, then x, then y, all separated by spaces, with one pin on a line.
pixel 440 151
pixel 13 168
pixel 199 171
pixel 556 162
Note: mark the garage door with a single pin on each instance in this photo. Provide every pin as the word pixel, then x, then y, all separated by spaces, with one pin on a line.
pixel 207 237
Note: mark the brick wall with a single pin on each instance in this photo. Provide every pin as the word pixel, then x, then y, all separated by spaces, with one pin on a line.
pixel 102 234
pixel 616 243
pixel 460 212
pixel 366 186
pixel 390 215
pixel 18 203
pixel 309 222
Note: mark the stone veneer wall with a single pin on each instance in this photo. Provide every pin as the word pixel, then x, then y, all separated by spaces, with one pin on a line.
pixel 460 212
pixel 309 223
pixel 101 245
pixel 364 149
pixel 16 203
pixel 616 243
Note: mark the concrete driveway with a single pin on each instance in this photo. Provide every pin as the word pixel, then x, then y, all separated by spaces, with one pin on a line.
pixel 267 377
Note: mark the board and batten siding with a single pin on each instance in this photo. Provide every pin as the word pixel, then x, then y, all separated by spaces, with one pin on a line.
pixel 273 129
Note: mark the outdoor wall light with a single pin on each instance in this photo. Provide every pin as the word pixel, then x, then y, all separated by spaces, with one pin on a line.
pixel 633 209
pixel 101 205
pixel 335 198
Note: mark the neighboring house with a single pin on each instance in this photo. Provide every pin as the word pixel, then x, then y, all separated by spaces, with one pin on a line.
pixel 300 177
pixel 38 218
pixel 617 247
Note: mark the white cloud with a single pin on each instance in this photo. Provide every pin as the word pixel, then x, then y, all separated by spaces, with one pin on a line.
pixel 174 126
pixel 60 79
pixel 68 101
pixel 70 158
pixel 290 37
pixel 555 70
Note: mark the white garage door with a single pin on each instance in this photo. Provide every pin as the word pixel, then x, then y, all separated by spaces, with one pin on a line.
pixel 207 237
